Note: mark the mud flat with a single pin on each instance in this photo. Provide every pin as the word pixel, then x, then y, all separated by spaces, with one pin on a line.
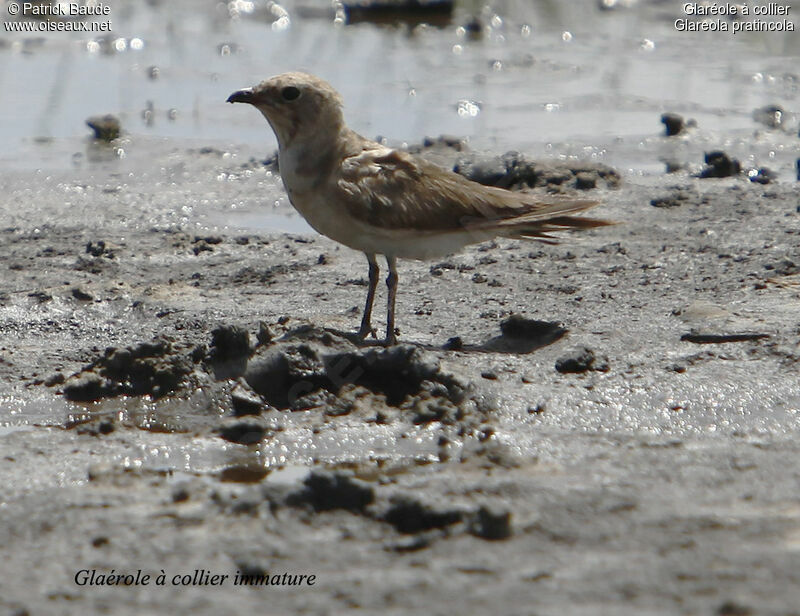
pixel 606 424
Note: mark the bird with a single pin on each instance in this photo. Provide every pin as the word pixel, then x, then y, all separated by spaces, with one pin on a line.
pixel 385 201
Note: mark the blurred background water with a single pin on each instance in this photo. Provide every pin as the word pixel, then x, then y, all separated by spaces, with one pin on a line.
pixel 584 78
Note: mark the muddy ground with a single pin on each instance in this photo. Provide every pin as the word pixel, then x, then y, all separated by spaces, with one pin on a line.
pixel 604 426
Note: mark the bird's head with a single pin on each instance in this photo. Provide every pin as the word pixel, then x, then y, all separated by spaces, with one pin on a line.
pixel 297 105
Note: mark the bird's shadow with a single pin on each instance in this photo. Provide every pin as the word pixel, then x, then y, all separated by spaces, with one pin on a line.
pixel 518 336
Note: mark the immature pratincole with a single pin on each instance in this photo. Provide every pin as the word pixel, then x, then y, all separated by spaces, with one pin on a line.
pixel 380 200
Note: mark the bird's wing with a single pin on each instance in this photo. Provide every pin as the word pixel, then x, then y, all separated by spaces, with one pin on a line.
pixel 391 189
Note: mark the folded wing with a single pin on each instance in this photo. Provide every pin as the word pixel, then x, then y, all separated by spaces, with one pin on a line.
pixel 391 189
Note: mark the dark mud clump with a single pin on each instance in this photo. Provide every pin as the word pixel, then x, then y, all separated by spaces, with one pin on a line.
pixel 306 368
pixel 427 520
pixel 720 165
pixel 230 348
pixel 673 200
pixel 411 12
pixel 673 124
pixel 106 127
pixel 516 326
pixel 442 142
pixel 99 249
pixel 250 430
pixel 409 515
pixel 679 195
pixel 520 335
pixel 762 175
pixel 326 491
pixel 309 368
pixel 512 171
pixel 582 359
pixel 491 522
pixel 153 368
pixel 245 401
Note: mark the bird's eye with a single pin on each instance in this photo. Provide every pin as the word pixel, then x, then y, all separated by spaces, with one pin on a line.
pixel 290 93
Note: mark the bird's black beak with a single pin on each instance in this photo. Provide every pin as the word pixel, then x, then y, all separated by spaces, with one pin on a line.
pixel 242 96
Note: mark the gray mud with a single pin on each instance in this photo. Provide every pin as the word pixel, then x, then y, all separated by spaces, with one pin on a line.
pixel 606 424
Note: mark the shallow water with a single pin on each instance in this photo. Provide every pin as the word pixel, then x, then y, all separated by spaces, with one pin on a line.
pixel 547 78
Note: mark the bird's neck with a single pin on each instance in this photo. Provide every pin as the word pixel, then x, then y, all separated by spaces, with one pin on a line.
pixel 306 163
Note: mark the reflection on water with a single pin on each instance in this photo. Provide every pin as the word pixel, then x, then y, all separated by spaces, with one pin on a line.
pixel 584 79
pixel 548 78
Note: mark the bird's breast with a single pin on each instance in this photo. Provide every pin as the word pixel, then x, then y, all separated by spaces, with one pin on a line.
pixel 307 184
pixel 298 174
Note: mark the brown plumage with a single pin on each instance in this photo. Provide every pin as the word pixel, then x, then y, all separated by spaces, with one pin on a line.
pixel 381 200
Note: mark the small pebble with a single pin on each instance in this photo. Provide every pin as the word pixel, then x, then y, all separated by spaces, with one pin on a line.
pixel 491 522
pixel 673 124
pixel 106 128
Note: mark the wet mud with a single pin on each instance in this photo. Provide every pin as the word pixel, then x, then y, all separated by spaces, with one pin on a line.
pixel 605 425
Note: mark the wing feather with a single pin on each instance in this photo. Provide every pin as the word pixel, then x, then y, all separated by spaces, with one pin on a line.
pixel 391 189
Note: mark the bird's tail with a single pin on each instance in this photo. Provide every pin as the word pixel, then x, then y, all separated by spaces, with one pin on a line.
pixel 540 230
pixel 547 217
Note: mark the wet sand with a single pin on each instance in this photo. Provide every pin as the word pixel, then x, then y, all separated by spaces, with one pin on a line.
pixel 655 477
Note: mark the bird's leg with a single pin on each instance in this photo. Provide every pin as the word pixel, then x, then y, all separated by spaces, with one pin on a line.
pixel 391 283
pixel 374 272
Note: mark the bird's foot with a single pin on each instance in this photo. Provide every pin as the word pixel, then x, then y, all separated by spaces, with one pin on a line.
pixel 366 330
pixel 391 338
